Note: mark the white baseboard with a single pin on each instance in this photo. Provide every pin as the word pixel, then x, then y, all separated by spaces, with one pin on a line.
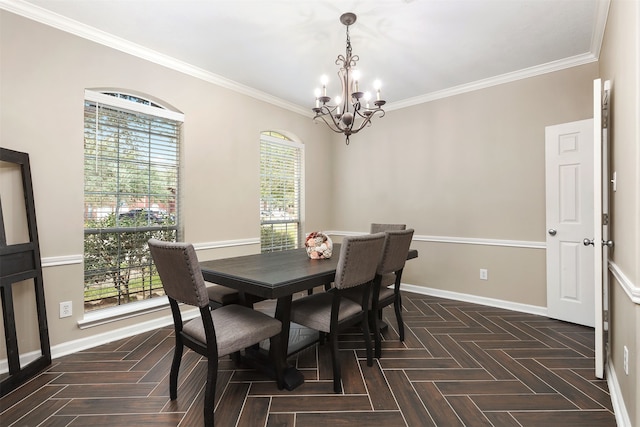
pixel 619 408
pixel 81 344
pixel 491 302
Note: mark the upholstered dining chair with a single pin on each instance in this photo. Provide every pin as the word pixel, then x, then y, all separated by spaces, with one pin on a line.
pixel 215 333
pixel 328 312
pixel 381 228
pixel 394 257
pixel 389 272
pixel 221 295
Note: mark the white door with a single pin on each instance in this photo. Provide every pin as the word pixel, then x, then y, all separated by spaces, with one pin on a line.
pixel 569 151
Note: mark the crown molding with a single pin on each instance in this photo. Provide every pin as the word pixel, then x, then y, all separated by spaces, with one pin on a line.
pixel 60 22
pixel 71 26
pixel 526 73
pixel 599 25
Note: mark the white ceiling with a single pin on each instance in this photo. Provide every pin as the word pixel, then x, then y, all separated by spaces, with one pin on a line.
pixel 278 49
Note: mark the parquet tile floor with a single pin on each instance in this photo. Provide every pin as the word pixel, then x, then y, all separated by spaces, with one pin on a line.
pixel 461 364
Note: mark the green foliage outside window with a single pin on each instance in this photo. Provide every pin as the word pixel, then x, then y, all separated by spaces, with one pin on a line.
pixel 131 180
pixel 280 192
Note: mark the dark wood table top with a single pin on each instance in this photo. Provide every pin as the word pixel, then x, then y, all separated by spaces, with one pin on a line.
pixel 274 274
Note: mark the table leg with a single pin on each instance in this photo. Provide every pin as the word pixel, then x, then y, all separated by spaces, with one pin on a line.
pixel 258 358
pixel 292 377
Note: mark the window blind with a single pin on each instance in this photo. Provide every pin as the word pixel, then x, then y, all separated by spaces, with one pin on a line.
pixel 281 171
pixel 131 166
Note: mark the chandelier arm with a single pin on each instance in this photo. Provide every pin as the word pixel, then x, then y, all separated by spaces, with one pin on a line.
pixel 367 119
pixel 369 113
pixel 331 126
pixel 365 122
pixel 326 111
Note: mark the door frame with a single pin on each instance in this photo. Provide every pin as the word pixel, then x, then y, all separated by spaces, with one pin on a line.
pixel 600 240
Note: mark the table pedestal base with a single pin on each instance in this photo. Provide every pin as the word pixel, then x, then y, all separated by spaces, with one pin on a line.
pixel 292 378
pixel 258 359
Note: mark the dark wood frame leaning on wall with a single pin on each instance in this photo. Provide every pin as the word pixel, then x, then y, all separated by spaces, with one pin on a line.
pixel 21 263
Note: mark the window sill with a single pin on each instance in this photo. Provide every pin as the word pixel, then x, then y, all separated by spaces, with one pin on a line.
pixel 126 311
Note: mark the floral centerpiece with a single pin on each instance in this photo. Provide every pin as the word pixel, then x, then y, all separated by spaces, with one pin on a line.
pixel 319 245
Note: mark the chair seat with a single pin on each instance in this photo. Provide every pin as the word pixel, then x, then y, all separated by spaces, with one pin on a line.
pixel 355 294
pixel 387 280
pixel 222 295
pixel 314 311
pixel 237 327
pixel 386 293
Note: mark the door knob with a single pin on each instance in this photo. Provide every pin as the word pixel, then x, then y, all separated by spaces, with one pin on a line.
pixel 608 243
pixel 552 232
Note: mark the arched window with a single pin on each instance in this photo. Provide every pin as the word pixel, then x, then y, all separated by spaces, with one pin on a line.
pixel 281 175
pixel 131 159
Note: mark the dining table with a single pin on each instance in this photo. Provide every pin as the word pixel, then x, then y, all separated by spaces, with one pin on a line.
pixel 276 275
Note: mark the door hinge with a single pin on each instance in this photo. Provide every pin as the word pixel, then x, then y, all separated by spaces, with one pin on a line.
pixel 605 219
pixel 605 315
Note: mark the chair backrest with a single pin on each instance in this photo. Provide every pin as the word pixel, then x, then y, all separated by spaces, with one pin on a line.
pixel 380 228
pixel 359 259
pixel 394 254
pixel 179 270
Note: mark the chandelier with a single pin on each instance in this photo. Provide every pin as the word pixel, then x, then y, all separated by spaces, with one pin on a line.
pixel 352 110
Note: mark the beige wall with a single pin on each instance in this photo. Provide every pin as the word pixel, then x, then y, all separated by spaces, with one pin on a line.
pixel 470 167
pixel 43 77
pixel 619 62
pixel 467 167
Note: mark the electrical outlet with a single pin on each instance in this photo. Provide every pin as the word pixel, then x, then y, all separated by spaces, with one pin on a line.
pixel 66 309
pixel 625 360
pixel 484 274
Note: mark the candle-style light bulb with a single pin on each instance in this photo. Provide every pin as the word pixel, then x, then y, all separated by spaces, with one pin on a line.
pixel 317 94
pixel 324 80
pixel 356 77
pixel 377 85
pixel 367 97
